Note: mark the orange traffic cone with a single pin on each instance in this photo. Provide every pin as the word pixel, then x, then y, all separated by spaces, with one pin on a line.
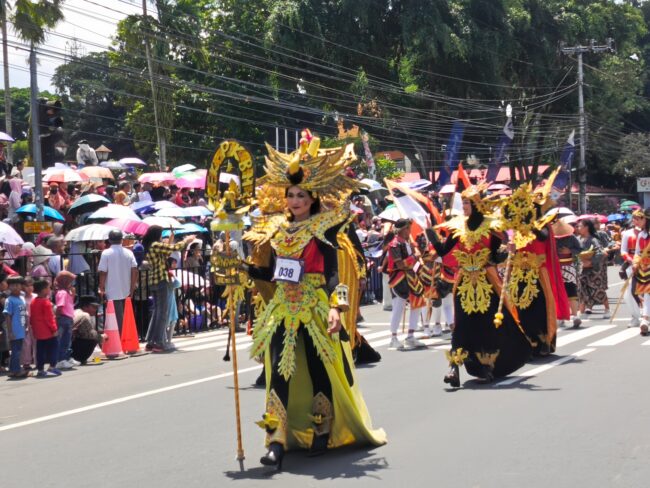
pixel 130 342
pixel 111 347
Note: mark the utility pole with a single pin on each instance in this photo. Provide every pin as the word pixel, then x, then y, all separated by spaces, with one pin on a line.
pixel 582 166
pixel 37 160
pixel 160 136
pixel 5 61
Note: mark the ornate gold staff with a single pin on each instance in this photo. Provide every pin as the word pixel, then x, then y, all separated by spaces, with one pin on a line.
pixel 229 188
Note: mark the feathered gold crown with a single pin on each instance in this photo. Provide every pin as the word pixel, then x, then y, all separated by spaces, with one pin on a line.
pixel 477 195
pixel 270 199
pixel 541 195
pixel 319 171
pixel 518 214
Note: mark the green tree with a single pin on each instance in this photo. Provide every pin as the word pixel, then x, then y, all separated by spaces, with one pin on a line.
pixel 87 88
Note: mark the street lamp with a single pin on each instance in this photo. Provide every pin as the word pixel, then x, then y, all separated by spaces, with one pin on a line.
pixel 103 153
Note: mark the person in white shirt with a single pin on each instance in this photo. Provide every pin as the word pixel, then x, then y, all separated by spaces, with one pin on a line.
pixel 118 274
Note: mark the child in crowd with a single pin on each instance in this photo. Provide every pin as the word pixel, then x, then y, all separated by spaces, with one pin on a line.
pixel 15 313
pixel 41 319
pixel 64 298
pixel 28 354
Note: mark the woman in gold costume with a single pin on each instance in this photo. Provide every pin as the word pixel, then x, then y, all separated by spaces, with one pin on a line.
pixel 490 344
pixel 312 397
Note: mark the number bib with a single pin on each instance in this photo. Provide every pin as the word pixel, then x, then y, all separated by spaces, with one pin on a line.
pixel 289 270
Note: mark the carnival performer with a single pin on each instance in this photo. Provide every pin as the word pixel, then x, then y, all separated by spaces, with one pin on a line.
pixel 641 271
pixel 405 286
pixel 535 279
pixel 428 273
pixel 628 250
pixel 593 290
pixel 568 248
pixel 489 346
pixel 306 352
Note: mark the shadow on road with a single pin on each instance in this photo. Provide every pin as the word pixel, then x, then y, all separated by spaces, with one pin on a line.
pixel 346 463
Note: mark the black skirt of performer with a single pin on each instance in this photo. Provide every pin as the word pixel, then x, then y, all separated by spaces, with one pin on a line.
pixel 477 334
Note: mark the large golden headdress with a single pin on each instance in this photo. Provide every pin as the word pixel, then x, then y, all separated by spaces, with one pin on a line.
pixel 543 192
pixel 519 214
pixel 477 195
pixel 319 171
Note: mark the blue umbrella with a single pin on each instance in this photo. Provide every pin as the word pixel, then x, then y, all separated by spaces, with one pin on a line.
pixel 48 212
pixel 88 203
pixel 615 217
pixel 189 228
pixel 149 206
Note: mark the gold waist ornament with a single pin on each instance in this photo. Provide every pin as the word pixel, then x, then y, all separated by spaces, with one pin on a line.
pixel 523 287
pixel 292 304
pixel 473 286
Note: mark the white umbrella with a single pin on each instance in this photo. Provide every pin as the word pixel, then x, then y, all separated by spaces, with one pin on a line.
pixel 184 212
pixel 9 236
pixel 183 168
pixel 164 222
pixel 91 232
pixel 391 214
pixel 373 185
pixel 116 165
pixel 132 162
pixel 113 211
pixel 188 278
pixel 6 137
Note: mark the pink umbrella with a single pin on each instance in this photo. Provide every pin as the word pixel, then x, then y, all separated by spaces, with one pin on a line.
pixel 191 181
pixel 597 217
pixel 129 226
pixel 157 178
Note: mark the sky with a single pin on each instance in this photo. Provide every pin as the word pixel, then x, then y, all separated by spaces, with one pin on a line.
pixel 91 22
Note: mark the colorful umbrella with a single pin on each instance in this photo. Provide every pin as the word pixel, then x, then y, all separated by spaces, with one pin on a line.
pixel 188 278
pixel 190 180
pixel 88 203
pixel 48 212
pixel 6 137
pixel 616 217
pixel 132 162
pixel 97 172
pixel 64 176
pixel 391 214
pixel 597 217
pixel 184 168
pixel 112 211
pixel 92 232
pixel 109 165
pixel 184 212
pixel 136 227
pixel 8 235
pixel 157 178
pixel 189 228
pixel 164 222
pixel 149 206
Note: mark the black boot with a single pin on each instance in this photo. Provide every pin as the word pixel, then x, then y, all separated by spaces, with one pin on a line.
pixel 274 455
pixel 318 445
pixel 487 376
pixel 261 379
pixel 453 376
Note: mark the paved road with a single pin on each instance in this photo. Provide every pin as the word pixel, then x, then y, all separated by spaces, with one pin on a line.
pixel 578 418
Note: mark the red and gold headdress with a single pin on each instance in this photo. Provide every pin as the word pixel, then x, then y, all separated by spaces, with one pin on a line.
pixel 477 195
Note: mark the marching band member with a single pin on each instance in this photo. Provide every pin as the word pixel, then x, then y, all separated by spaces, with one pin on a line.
pixel 405 285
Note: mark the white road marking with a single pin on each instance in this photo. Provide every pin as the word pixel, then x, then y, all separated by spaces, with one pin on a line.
pixel 116 401
pixel 570 337
pixel 543 368
pixel 614 339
